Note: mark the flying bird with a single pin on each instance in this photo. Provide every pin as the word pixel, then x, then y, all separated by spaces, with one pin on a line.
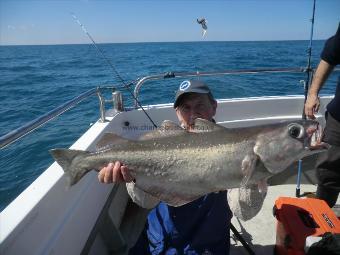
pixel 203 22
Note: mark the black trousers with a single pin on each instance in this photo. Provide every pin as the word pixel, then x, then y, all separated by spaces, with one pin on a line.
pixel 328 164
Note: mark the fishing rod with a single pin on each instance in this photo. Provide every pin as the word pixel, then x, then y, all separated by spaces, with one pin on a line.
pixel 309 77
pixel 101 53
pixel 309 70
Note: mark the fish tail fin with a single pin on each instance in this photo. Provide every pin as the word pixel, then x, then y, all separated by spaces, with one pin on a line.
pixel 65 158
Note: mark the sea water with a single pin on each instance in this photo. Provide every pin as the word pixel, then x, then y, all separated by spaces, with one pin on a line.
pixel 36 79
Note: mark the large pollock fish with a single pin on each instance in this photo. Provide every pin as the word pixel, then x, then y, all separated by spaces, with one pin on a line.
pixel 178 166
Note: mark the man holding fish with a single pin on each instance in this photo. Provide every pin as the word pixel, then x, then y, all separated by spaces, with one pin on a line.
pixel 201 225
pixel 196 227
pixel 189 168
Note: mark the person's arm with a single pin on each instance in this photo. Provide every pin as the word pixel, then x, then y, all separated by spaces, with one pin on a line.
pixel 118 172
pixel 321 74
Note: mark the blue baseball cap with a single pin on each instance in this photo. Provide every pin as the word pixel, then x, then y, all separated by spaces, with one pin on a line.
pixel 191 86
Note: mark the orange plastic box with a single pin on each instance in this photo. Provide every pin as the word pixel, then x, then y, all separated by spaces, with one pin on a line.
pixel 298 218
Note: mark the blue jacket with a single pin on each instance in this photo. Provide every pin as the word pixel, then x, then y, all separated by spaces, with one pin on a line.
pixel 197 227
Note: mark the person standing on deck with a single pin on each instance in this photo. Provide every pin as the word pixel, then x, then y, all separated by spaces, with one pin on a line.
pixel 201 226
pixel 328 164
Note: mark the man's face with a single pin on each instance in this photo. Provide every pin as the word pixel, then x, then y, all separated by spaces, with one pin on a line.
pixel 195 106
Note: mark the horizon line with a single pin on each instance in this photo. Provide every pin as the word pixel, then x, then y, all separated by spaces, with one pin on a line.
pixel 205 41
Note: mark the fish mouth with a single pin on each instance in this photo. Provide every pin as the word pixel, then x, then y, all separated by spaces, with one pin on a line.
pixel 315 136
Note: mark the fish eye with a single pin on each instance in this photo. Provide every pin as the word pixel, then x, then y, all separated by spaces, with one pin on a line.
pixel 296 131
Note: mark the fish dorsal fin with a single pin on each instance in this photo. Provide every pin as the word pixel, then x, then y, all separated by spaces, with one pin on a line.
pixel 202 126
pixel 170 126
pixel 109 139
pixel 167 128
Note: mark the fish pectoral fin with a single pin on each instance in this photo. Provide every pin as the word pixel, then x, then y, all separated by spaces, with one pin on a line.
pixel 109 139
pixel 202 126
pixel 168 128
pixel 248 167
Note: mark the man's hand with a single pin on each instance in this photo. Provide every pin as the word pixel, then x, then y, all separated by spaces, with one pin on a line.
pixel 313 102
pixel 114 172
pixel 312 106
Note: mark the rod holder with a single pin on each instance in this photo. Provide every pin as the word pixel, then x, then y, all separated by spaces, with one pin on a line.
pixel 117 101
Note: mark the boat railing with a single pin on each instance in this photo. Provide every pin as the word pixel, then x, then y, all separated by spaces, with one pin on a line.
pixel 169 75
pixel 117 99
pixel 30 126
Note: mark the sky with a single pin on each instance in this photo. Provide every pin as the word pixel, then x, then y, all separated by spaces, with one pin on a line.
pixel 36 22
